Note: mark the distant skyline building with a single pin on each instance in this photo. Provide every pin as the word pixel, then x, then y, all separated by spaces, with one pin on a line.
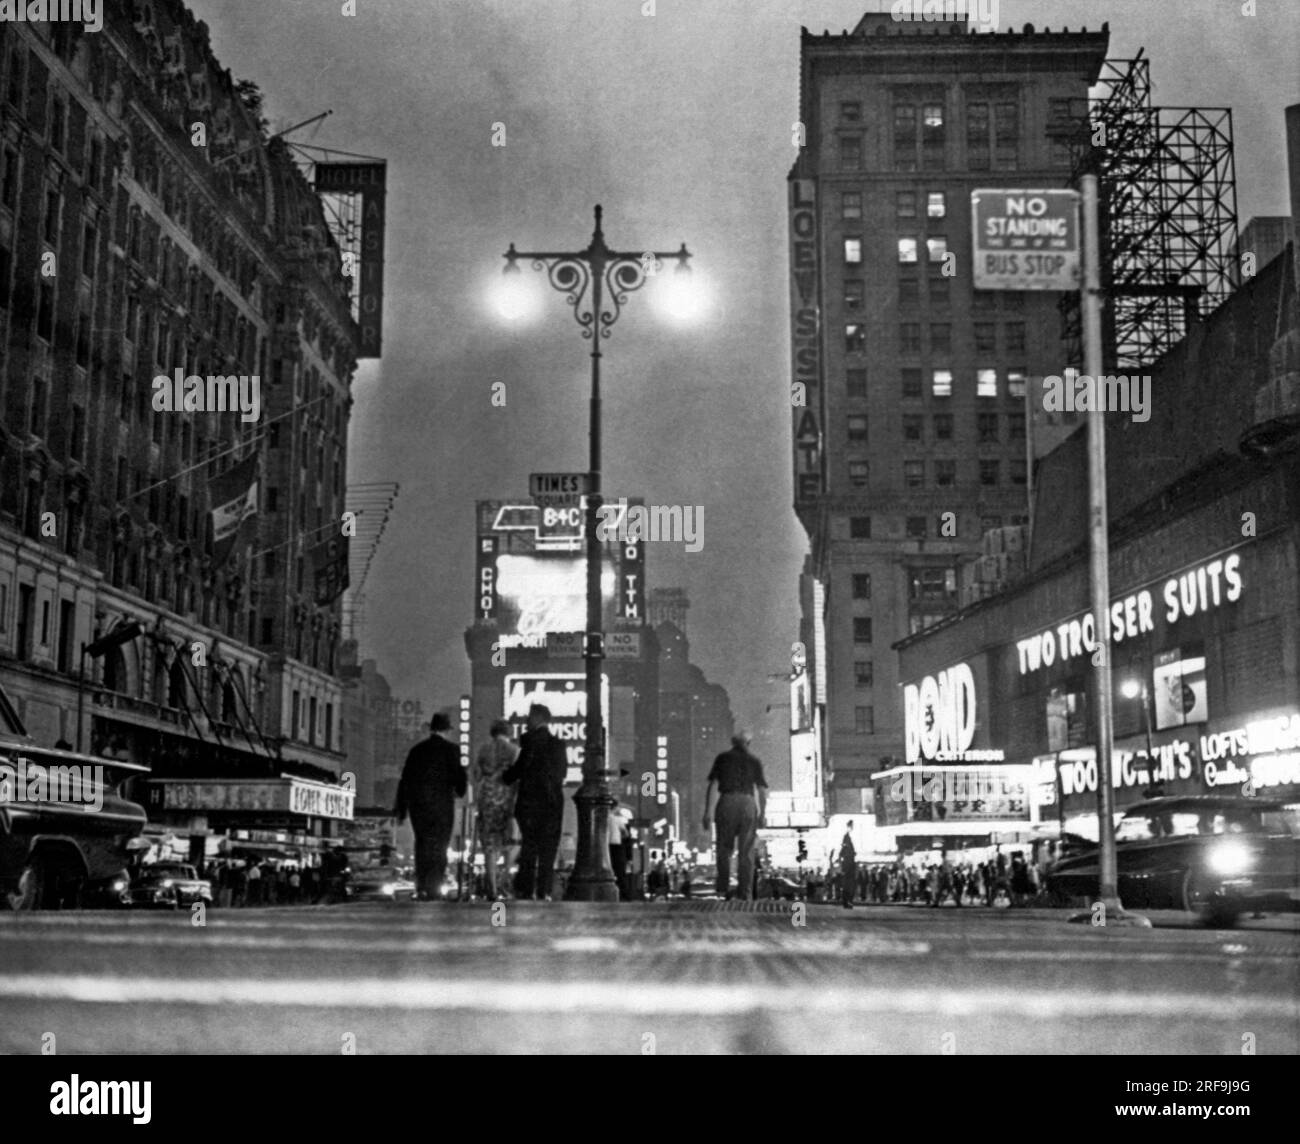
pixel 909 386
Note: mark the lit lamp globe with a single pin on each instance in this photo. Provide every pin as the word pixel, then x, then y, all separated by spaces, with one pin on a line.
pixel 680 297
pixel 1130 689
pixel 513 296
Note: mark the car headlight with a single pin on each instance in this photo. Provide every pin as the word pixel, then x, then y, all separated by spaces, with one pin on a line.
pixel 1230 857
pixel 167 882
pixel 120 884
pixel 388 888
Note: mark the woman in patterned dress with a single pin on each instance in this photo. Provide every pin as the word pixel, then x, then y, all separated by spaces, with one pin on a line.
pixel 496 800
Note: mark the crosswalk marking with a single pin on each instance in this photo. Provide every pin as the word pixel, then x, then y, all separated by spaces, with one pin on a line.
pixel 490 995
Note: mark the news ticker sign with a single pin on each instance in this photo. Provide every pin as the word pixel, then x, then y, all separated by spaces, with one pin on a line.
pixel 296 796
pixel 1025 240
pixel 368 181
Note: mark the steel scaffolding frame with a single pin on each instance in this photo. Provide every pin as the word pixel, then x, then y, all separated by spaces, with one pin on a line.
pixel 1168 200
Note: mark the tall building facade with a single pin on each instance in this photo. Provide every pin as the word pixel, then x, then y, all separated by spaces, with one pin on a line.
pixel 695 718
pixel 149 228
pixel 909 386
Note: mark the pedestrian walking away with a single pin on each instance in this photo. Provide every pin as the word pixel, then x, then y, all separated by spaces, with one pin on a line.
pixel 432 779
pixel 736 798
pixel 848 868
pixel 539 803
pixel 495 799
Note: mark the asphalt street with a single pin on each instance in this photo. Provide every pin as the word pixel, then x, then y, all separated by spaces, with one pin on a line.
pixel 667 977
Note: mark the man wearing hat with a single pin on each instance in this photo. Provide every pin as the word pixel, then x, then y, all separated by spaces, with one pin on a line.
pixel 736 798
pixel 431 781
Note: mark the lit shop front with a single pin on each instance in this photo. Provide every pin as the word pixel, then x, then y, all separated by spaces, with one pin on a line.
pixel 1202 666
pixel 957 794
pixel 286 816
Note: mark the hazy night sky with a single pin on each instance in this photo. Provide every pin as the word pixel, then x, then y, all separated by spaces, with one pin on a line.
pixel 680 125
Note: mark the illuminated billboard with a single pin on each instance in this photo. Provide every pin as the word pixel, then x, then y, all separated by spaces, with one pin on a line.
pixel 531 573
pixel 566 696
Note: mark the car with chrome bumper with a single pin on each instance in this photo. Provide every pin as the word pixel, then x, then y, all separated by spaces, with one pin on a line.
pixel 66 831
pixel 1216 856
pixel 379 884
pixel 168 885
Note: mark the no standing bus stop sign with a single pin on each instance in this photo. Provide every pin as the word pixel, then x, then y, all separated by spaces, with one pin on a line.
pixel 1025 240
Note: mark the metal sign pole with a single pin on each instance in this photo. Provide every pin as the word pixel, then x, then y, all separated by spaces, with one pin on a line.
pixel 1108 890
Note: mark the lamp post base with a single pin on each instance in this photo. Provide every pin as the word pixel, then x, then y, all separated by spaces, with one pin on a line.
pixel 593 876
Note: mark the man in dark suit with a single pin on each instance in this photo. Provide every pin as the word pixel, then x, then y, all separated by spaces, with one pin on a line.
pixel 539 806
pixel 432 780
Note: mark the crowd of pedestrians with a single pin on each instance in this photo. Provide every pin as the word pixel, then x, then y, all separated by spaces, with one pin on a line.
pixel 1000 880
pixel 238 882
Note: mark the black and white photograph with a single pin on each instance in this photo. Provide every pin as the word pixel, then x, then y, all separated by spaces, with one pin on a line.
pixel 649 527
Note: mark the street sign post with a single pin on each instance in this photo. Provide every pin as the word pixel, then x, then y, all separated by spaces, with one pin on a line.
pixel 622 645
pixel 564 645
pixel 1025 240
pixel 558 490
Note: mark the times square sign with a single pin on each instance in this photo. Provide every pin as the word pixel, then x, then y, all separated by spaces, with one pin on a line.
pixel 939 719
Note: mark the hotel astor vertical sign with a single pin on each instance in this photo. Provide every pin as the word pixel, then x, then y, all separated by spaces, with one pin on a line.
pixel 806 333
pixel 369 181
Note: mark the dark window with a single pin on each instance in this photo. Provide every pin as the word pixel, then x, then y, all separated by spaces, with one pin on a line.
pixel 913 427
pixel 850 152
pixel 1015 426
pixel 88 237
pixel 36 421
pixel 909 338
pixel 77 432
pixel 861 629
pixel 909 292
pixel 945 474
pixel 853 294
pixel 941 338
pixel 855 338
pixel 864 721
pixel 851 110
pixel 986 428
pixel 1006 136
pixel 986 338
pixel 917 528
pixel 862 673
pixel 913 474
pixel 1015 334
pixel 905 204
pixel 859 473
pixel 940 294
pixel 53 208
pixel 855 381
pixel 851 204
pixel 977 136
pixel 912 384
pixel 862 585
pixel 9 178
pixel 943 426
pixel 1019 473
pixel 857 426
pixel 859 528
pixel 905 137
pixel 988 472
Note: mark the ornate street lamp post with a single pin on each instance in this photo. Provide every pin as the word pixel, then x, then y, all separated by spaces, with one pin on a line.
pixel 586 277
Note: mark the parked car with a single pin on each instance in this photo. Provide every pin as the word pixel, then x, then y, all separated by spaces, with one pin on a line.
pixel 168 884
pixel 779 886
pixel 1216 856
pixel 379 884
pixel 65 829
